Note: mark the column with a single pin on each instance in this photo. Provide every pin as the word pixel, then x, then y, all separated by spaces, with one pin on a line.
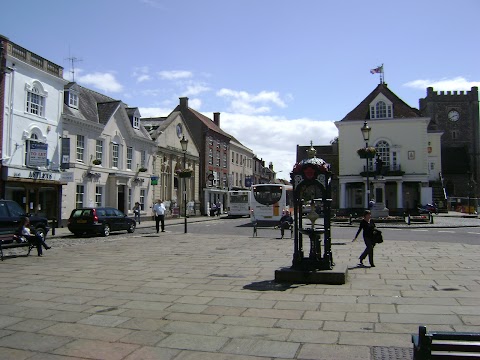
pixel 343 195
pixel 399 194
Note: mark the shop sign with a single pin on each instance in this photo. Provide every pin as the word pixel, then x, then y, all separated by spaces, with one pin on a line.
pixel 67 177
pixel 36 154
pixel 33 174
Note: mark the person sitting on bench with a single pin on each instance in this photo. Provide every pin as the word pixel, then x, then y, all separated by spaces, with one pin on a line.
pixel 286 222
pixel 24 232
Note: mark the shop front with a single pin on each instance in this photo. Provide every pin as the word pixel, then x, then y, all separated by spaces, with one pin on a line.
pixel 38 192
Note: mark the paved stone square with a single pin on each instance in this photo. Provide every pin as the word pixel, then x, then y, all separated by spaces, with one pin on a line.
pixel 179 296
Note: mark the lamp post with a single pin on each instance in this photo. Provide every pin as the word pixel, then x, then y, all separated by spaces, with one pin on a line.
pixel 366 136
pixel 184 144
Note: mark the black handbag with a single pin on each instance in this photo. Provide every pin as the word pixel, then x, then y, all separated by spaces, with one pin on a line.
pixel 377 236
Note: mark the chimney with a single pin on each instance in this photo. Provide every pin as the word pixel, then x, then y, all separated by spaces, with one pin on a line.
pixel 216 118
pixel 184 103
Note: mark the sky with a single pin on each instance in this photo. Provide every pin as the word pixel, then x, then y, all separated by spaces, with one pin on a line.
pixel 280 72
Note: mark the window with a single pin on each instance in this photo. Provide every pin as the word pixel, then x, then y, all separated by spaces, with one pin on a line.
pixel 98 196
pixel 136 122
pixel 454 134
pixel 233 157
pixel 80 147
pixel 99 149
pixel 210 156
pixel 79 196
pixel 225 160
pixel 142 199
pixel 143 158
pixel 35 102
pixel 383 152
pixel 73 99
pixel 129 157
pixel 381 111
pixel 218 158
pixel 236 157
pixel 115 155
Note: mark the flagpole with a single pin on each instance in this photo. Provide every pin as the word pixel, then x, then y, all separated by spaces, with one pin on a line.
pixel 382 76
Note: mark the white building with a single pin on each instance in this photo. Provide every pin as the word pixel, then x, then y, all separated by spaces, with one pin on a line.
pixel 31 97
pixel 410 154
pixel 107 154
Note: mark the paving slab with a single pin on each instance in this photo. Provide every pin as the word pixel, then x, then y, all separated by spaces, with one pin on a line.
pixel 213 297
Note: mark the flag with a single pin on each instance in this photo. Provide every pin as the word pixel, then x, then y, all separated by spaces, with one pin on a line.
pixel 377 70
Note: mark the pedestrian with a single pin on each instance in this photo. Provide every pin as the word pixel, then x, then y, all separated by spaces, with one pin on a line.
pixel 25 233
pixel 136 212
pixel 219 208
pixel 213 210
pixel 159 212
pixel 366 225
pixel 286 222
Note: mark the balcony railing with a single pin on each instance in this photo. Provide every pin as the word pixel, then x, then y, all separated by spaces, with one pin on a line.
pixel 387 170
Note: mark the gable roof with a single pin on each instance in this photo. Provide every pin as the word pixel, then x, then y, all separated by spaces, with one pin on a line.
pixel 191 114
pixel 401 109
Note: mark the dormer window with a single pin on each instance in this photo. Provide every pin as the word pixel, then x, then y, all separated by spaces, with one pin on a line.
pixel 381 110
pixel 73 99
pixel 136 122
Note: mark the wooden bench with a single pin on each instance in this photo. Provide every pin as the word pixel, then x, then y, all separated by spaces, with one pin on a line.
pixel 445 345
pixel 9 240
pixel 256 227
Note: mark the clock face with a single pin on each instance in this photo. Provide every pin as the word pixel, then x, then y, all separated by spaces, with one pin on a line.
pixel 179 130
pixel 453 115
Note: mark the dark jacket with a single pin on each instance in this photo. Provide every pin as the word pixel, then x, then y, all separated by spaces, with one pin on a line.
pixel 367 229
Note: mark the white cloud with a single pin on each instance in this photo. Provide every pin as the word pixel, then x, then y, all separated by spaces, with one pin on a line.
pixel 175 74
pixel 457 83
pixel 244 102
pixel 154 112
pixel 275 139
pixel 195 103
pixel 102 81
pixel 195 89
pixel 143 78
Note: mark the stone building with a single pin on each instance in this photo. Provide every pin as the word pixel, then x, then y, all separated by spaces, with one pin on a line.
pixel 167 132
pixel 456 113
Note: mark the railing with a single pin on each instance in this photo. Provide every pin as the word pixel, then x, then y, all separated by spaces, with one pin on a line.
pixel 35 60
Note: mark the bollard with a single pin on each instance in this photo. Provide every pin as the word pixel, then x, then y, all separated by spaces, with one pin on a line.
pixel 53 226
pixel 408 219
pixel 350 219
pixel 431 218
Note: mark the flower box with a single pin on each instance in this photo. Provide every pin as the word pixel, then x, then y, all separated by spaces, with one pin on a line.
pixel 184 173
pixel 367 153
pixel 97 162
pixel 142 169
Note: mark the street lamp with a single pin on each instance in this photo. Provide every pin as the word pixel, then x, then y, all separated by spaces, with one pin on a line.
pixel 366 136
pixel 184 144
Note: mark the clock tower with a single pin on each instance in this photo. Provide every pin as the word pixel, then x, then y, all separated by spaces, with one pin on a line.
pixel 456 113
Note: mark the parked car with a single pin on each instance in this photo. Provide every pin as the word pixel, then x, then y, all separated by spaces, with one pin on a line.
pixel 100 220
pixel 428 208
pixel 11 213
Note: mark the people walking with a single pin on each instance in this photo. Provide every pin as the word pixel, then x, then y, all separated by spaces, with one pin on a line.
pixel 366 225
pixel 136 212
pixel 24 232
pixel 159 212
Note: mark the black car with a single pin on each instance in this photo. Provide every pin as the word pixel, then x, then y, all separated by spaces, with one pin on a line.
pixel 100 220
pixel 11 213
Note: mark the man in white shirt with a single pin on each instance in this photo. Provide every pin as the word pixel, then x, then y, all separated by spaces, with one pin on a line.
pixel 159 212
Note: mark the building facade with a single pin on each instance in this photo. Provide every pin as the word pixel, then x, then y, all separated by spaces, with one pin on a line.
pixel 107 154
pixel 31 97
pixel 168 161
pixel 410 154
pixel 240 166
pixel 456 113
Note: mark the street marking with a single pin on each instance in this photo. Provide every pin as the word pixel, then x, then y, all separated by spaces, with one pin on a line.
pixel 474 233
pixel 446 231
pixel 418 230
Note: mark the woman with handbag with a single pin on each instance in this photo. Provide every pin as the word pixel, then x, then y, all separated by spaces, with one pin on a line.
pixel 367 226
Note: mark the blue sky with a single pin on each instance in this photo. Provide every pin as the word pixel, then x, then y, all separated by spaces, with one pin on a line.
pixel 279 72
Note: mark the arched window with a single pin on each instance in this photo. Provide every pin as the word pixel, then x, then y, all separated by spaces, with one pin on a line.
pixel 383 152
pixel 381 110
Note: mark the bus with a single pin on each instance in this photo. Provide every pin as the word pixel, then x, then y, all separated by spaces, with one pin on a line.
pixel 268 202
pixel 238 203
